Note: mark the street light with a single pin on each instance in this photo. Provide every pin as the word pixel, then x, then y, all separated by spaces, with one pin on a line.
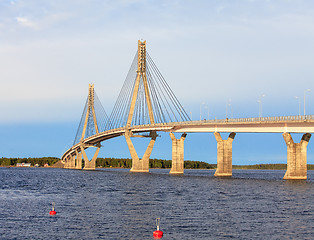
pixel 296 97
pixel 201 110
pixel 228 104
pixel 208 113
pixel 260 105
pixel 206 107
pixel 307 90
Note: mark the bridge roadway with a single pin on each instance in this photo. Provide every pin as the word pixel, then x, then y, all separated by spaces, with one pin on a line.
pixel 285 124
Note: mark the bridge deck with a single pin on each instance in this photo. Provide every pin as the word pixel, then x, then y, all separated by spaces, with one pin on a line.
pixel 291 124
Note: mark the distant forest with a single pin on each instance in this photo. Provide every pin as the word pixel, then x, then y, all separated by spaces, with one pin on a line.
pixel 40 161
pixel 153 163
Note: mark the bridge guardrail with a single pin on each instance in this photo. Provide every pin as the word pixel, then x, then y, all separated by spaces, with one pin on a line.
pixel 297 118
pixel 271 119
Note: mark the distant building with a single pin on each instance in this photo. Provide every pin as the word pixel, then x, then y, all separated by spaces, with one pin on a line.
pixel 23 164
pixel 46 165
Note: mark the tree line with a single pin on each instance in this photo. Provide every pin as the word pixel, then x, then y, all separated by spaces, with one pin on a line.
pixel 153 163
pixel 40 161
pixel 275 166
pixel 107 162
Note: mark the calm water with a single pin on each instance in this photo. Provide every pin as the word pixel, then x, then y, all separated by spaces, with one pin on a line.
pixel 114 204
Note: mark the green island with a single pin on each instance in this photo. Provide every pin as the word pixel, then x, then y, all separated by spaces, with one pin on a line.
pixel 127 163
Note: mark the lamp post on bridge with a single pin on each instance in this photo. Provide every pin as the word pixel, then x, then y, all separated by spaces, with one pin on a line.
pixel 260 105
pixel 206 107
pixel 307 90
pixel 296 97
pixel 228 104
pixel 201 110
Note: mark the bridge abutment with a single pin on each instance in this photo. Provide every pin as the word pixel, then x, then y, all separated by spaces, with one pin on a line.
pixel 224 155
pixel 296 157
pixel 140 165
pixel 177 154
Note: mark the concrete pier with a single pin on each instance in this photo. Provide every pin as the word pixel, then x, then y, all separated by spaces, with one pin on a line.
pixel 296 157
pixel 70 162
pixel 78 164
pixel 177 154
pixel 224 155
pixel 140 165
pixel 66 163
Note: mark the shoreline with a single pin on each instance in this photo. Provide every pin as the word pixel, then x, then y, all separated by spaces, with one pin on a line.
pixel 234 167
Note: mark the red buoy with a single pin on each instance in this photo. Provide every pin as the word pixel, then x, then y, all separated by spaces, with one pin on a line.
pixel 53 212
pixel 158 234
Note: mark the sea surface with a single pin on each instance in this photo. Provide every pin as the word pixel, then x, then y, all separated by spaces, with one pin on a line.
pixel 116 204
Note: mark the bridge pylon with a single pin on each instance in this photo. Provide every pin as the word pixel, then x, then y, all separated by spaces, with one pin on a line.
pixel 89 117
pixel 141 75
pixel 88 126
pixel 140 165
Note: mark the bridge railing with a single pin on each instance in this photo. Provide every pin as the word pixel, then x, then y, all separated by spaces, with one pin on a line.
pixel 236 120
pixel 297 118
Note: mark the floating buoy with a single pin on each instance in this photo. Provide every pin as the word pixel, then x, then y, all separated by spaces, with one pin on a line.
pixel 53 212
pixel 158 234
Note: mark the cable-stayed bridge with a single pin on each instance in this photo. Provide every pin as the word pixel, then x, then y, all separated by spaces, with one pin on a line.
pixel 146 105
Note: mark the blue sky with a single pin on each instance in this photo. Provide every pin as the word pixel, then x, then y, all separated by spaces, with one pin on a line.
pixel 210 52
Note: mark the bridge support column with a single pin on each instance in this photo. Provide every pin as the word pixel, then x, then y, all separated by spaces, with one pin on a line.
pixel 177 154
pixel 140 165
pixel 90 165
pixel 78 164
pixel 66 162
pixel 71 162
pixel 224 155
pixel 296 157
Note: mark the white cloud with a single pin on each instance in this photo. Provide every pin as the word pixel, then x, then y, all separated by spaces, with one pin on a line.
pixel 27 23
pixel 44 22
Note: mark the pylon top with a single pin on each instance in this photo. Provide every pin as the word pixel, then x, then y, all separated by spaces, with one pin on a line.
pixel 141 56
pixel 90 95
pixel 90 109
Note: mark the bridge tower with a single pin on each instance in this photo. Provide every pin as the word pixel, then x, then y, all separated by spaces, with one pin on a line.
pixel 90 119
pixel 140 165
pixel 144 100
